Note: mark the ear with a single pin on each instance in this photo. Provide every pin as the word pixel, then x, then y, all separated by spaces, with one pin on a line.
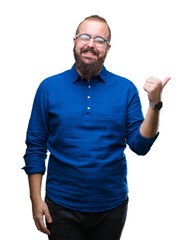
pixel 108 47
pixel 74 41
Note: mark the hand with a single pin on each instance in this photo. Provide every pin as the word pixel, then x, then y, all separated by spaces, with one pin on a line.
pixel 40 209
pixel 154 87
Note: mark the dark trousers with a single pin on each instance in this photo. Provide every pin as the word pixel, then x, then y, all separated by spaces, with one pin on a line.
pixel 75 225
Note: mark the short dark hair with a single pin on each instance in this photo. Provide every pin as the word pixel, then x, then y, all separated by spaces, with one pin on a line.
pixel 96 18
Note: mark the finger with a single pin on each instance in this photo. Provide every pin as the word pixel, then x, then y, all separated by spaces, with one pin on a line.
pixel 147 87
pixel 165 81
pixel 41 226
pixel 151 79
pixel 44 229
pixel 48 216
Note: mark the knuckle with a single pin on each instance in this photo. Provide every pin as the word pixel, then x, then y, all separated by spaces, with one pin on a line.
pixel 38 228
pixel 150 90
pixel 159 83
pixel 37 219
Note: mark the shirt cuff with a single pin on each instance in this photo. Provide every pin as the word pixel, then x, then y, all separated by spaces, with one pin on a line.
pixel 145 140
pixel 31 170
pixel 142 145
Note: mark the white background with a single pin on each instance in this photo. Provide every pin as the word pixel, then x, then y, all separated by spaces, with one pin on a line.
pixel 149 37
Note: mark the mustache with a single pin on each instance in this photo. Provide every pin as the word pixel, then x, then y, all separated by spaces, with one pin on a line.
pixel 83 50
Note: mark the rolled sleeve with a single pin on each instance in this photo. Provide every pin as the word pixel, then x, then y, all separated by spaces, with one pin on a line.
pixel 31 169
pixel 142 145
pixel 37 134
pixel 137 143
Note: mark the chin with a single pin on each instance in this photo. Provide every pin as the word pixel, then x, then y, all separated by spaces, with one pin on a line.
pixel 87 59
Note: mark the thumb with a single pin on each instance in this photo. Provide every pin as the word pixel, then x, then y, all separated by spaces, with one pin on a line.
pixel 165 81
pixel 47 215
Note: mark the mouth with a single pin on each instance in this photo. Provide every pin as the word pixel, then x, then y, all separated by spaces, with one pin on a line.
pixel 89 52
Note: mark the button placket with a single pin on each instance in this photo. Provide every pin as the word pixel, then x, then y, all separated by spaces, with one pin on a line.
pixel 88 101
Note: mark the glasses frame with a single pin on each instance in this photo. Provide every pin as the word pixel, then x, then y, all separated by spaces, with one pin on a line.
pixel 105 40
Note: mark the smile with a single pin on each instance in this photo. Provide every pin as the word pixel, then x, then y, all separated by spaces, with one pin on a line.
pixel 90 52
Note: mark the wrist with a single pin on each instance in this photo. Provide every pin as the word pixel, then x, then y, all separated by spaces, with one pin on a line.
pixel 35 198
pixel 156 106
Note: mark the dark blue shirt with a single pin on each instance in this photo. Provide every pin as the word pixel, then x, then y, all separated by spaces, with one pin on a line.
pixel 85 126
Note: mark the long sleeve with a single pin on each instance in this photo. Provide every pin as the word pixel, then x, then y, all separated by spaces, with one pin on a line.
pixel 37 133
pixel 137 143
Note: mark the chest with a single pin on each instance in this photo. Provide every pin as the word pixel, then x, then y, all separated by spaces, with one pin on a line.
pixel 88 101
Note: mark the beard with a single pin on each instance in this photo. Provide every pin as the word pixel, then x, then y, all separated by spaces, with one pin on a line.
pixel 88 69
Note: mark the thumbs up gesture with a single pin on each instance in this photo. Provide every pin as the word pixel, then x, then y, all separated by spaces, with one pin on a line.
pixel 154 87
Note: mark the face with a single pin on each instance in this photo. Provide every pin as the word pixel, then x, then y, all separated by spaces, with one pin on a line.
pixel 89 56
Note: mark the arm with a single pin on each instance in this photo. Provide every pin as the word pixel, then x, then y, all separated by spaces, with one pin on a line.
pixel 149 126
pixel 153 87
pixel 141 133
pixel 36 153
pixel 39 207
pixel 37 133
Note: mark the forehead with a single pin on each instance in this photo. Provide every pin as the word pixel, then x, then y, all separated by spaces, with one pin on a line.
pixel 94 28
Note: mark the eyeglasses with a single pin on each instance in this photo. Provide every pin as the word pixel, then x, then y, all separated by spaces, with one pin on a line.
pixel 85 38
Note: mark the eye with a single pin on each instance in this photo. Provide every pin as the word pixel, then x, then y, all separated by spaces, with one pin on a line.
pixel 84 37
pixel 99 40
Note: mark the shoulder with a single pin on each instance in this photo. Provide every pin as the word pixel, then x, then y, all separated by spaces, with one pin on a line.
pixel 54 83
pixel 121 81
pixel 55 79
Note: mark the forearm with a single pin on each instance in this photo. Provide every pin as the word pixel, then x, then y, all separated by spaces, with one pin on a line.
pixel 149 127
pixel 39 207
pixel 35 181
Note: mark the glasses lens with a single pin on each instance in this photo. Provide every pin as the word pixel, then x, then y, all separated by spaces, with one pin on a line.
pixel 99 40
pixel 84 37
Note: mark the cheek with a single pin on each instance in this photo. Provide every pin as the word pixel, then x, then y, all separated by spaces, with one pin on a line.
pixel 103 53
pixel 78 47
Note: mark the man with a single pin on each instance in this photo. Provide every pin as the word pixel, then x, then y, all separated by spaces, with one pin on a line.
pixel 85 117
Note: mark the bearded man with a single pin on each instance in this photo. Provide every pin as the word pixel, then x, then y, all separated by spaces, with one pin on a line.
pixel 85 117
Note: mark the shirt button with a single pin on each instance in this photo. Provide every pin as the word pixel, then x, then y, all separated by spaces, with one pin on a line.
pixel 88 97
pixel 88 108
pixel 89 86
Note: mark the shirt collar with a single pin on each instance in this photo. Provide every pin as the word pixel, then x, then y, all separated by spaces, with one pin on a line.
pixel 75 75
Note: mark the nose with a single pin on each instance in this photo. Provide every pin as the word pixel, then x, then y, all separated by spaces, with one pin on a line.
pixel 91 43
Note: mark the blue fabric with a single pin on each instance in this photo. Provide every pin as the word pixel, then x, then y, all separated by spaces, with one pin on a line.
pixel 85 126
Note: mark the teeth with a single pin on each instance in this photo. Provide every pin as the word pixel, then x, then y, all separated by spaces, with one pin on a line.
pixel 89 53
